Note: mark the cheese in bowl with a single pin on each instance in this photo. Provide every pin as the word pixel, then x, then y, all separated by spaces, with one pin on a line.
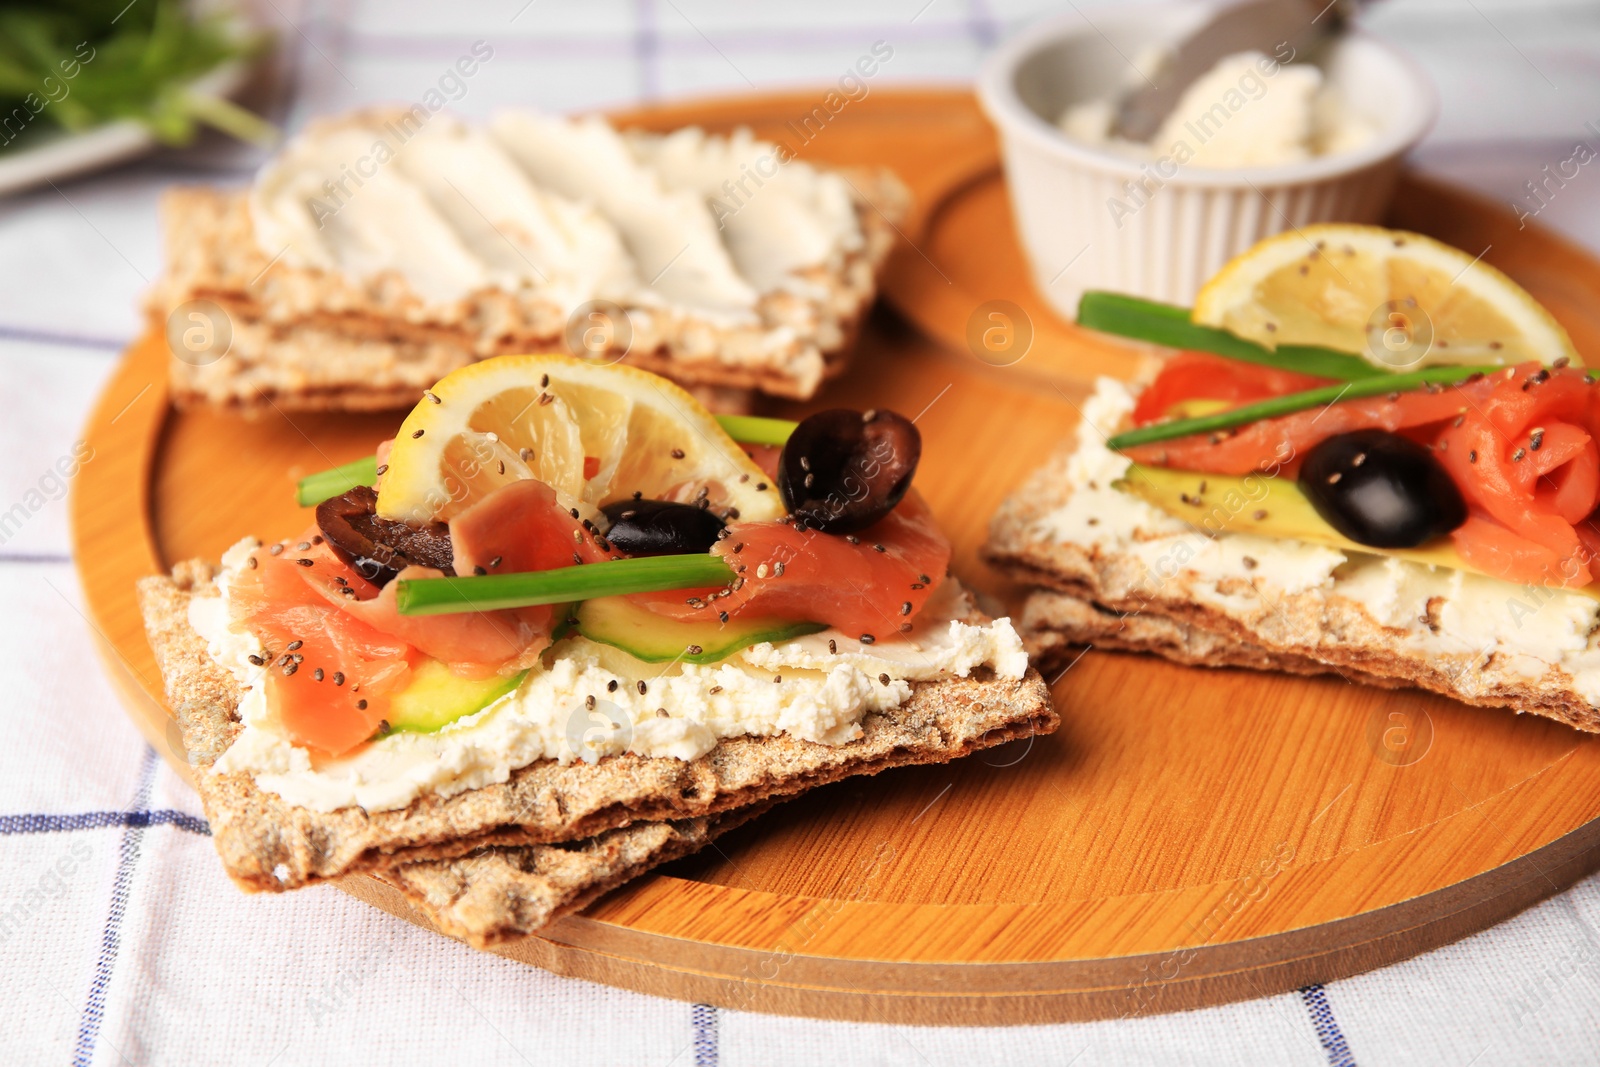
pixel 1262 144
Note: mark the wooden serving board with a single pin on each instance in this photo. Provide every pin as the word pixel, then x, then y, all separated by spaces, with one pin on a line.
pixel 1188 837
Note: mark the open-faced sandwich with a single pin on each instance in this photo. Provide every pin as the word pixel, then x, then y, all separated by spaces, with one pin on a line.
pixel 383 249
pixel 562 628
pixel 1372 455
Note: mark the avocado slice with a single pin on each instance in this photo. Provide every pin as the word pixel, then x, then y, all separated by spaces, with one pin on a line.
pixel 1264 505
pixel 1271 507
pixel 617 621
pixel 437 697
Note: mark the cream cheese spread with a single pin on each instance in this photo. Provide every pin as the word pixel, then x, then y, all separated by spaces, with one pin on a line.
pixel 384 224
pixel 521 233
pixel 798 688
pixel 1433 611
pixel 670 232
pixel 1247 111
pixel 777 219
pixel 568 209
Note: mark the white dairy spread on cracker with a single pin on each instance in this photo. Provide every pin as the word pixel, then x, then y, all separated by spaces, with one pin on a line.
pixel 1247 111
pixel 672 233
pixel 777 219
pixel 822 696
pixel 1528 630
pixel 567 209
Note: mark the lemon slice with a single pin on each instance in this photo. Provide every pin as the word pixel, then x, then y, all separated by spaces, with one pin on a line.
pixel 593 433
pixel 1399 299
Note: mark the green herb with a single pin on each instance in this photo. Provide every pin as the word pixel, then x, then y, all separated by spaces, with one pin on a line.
pixel 313 489
pixel 78 64
pixel 751 430
pixel 1165 324
pixel 645 574
pixel 1287 405
pixel 324 485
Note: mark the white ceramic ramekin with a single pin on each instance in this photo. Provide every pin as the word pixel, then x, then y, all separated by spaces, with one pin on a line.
pixel 1187 222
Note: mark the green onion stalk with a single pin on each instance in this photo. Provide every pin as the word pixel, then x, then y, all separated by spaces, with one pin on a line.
pixel 1291 403
pixel 1169 325
pixel 490 592
pixel 754 430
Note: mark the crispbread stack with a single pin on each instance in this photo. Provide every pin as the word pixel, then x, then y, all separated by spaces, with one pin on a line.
pixel 503 860
pixel 309 339
pixel 498 893
pixel 1089 595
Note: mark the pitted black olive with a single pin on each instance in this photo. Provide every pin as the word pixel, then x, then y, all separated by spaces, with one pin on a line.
pixel 844 470
pixel 1380 489
pixel 377 548
pixel 660 527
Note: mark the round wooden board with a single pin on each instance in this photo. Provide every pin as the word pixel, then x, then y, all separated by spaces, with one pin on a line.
pixel 1188 837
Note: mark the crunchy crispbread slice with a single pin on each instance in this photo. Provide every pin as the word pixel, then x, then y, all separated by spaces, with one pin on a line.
pixel 1089 595
pixel 308 339
pixel 309 367
pixel 1058 626
pixel 267 844
pixel 496 894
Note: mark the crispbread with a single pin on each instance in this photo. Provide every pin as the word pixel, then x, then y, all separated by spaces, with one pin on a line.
pixel 1060 625
pixel 267 844
pixel 1113 600
pixel 311 368
pixel 308 339
pixel 496 894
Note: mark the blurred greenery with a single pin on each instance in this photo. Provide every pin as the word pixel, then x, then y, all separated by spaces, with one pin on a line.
pixel 76 64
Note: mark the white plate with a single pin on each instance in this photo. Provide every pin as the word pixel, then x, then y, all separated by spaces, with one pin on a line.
pixel 63 155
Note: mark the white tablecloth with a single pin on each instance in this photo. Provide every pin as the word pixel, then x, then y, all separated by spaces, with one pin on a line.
pixel 120 939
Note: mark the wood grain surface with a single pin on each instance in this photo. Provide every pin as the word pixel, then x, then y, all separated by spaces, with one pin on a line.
pixel 1188 837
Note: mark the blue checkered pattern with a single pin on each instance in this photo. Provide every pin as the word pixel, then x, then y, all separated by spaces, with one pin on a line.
pixel 1327 1027
pixel 704 1019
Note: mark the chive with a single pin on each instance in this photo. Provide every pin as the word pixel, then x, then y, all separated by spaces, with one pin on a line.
pixel 752 430
pixel 1286 405
pixel 644 574
pixel 1165 324
pixel 315 488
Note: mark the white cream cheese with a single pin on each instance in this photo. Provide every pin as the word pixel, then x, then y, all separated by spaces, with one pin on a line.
pixel 570 209
pixel 1237 115
pixel 1433 610
pixel 670 233
pixel 524 235
pixel 684 710
pixel 777 219
pixel 363 228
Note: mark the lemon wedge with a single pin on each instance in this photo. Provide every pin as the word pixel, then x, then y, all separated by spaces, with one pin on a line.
pixel 1399 299
pixel 593 433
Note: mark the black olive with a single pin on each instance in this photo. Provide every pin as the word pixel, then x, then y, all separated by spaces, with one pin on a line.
pixel 843 470
pixel 379 548
pixel 660 527
pixel 1380 489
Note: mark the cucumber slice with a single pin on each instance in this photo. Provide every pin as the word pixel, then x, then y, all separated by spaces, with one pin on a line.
pixel 437 697
pixel 617 621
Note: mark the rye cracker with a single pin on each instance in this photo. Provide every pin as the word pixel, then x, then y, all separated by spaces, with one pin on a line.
pixel 1087 594
pixel 268 844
